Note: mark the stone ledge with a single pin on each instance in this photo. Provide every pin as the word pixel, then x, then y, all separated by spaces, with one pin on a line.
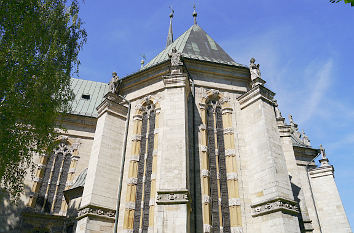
pixel 96 212
pixel 322 171
pixel 112 106
pixel 275 205
pixel 179 80
pixel 167 197
pixel 256 93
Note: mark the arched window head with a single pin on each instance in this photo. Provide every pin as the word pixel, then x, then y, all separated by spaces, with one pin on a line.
pixel 54 178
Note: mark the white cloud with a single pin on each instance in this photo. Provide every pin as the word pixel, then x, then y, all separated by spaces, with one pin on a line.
pixel 317 90
pixel 347 140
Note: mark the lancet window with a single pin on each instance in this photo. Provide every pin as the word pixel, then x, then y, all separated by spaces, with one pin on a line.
pixel 221 203
pixel 142 169
pixel 52 177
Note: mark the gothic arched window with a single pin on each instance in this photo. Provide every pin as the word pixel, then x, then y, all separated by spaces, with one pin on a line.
pixel 53 173
pixel 142 169
pixel 220 195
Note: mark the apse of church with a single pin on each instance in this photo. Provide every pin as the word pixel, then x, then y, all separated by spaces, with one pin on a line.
pixel 191 142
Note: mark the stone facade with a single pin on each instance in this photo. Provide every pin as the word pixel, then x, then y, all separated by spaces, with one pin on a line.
pixel 188 144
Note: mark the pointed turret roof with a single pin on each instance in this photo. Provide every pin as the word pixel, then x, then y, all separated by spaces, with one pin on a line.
pixel 195 43
pixel 170 32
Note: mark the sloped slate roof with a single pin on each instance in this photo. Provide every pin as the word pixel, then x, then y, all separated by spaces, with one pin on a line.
pixel 80 180
pixel 94 90
pixel 195 43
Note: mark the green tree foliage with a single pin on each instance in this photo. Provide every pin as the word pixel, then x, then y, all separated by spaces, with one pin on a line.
pixel 39 45
pixel 345 1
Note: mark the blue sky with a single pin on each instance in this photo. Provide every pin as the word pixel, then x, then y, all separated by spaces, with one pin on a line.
pixel 305 50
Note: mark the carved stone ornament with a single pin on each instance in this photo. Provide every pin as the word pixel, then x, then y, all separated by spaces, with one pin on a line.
pixel 230 152
pixel 132 180
pixel 95 211
pixel 254 69
pixel 228 131
pixel 206 228
pixel 204 173
pixel 232 176
pixel 277 111
pixel 172 197
pixel 114 83
pixel 203 148
pixel 175 57
pixel 236 230
pixel 136 138
pixel 278 204
pixel 206 199
pixel 130 205
pixel 234 202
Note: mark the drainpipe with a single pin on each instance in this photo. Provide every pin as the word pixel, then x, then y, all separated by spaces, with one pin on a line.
pixel 122 164
pixel 313 198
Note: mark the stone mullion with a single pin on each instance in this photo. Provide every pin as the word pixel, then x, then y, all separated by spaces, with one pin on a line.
pixel 140 175
pixel 217 165
pixel 231 169
pixel 132 174
pixel 213 172
pixel 57 183
pixel 37 181
pixel 148 172
pixel 204 166
pixel 55 156
pixel 44 181
pixel 72 168
pixel 154 170
pixel 74 160
pixel 224 203
pixel 53 185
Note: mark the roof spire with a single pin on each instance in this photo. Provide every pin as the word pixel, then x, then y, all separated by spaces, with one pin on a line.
pixel 170 33
pixel 194 15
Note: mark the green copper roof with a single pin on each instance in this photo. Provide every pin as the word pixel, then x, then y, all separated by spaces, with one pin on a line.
pixel 195 43
pixel 88 95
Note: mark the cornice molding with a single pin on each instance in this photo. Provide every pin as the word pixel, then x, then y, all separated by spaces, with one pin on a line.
pixel 256 93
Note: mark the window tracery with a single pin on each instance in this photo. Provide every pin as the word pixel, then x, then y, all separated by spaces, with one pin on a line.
pixel 219 179
pixel 142 169
pixel 54 174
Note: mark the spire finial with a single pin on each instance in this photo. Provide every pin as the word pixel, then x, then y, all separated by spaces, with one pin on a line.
pixel 170 33
pixel 142 62
pixel 195 15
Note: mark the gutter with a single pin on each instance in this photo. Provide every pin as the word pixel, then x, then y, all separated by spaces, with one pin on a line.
pixel 122 164
pixel 313 198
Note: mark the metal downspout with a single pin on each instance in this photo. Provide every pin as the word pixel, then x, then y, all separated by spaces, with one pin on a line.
pixel 313 198
pixel 122 164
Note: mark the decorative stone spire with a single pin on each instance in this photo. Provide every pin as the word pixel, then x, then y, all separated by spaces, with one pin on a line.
pixel 195 15
pixel 170 32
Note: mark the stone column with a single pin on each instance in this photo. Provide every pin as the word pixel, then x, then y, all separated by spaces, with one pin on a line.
pixel 329 206
pixel 99 199
pixel 273 207
pixel 172 192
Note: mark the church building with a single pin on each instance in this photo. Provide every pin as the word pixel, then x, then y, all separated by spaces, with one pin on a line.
pixel 193 142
